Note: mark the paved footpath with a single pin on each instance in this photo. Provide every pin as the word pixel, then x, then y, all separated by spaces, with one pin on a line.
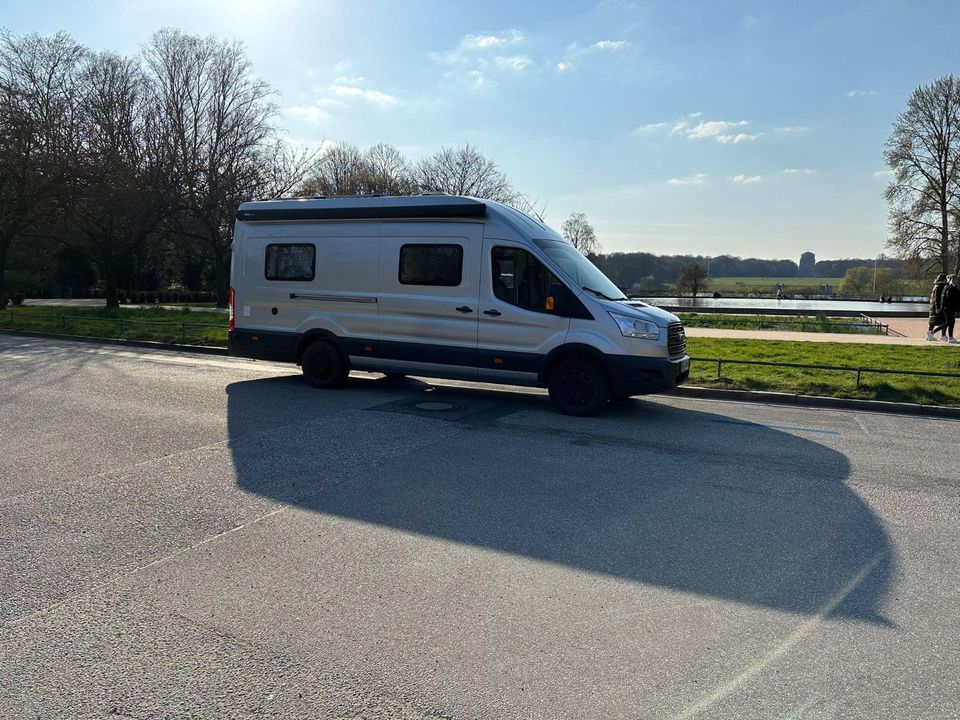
pixel 813 337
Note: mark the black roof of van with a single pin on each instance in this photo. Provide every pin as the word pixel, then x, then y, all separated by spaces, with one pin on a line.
pixel 362 208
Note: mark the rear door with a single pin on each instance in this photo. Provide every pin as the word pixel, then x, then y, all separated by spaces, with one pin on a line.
pixel 428 299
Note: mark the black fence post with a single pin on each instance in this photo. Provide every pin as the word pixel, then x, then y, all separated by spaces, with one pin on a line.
pixel 183 333
pixel 121 326
pixel 719 366
pixel 858 378
pixel 63 322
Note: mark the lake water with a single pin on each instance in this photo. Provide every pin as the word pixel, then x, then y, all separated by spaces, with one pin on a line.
pixel 789 307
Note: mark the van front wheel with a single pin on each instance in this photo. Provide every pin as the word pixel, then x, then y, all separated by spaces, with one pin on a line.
pixel 578 387
pixel 323 366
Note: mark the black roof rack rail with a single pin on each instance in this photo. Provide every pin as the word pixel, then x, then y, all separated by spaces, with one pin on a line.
pixel 394 212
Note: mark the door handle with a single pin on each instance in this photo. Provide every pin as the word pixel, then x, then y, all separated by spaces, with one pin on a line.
pixel 492 313
pixel 464 309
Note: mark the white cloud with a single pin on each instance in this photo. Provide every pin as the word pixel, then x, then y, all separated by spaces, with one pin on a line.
pixel 475 60
pixel 577 51
pixel 346 80
pixel 712 128
pixel 650 128
pixel 746 179
pixel 798 171
pixel 497 40
pixel 697 179
pixel 478 81
pixel 515 63
pixel 723 131
pixel 884 174
pixel 792 129
pixel 861 93
pixel 310 113
pixel 738 138
pixel 472 46
pixel 371 96
pixel 611 44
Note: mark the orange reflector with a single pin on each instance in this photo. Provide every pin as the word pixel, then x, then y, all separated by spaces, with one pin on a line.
pixel 255 338
pixel 549 304
pixel 368 348
pixel 498 361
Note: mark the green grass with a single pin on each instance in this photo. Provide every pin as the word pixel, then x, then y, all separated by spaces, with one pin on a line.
pixel 155 324
pixel 801 323
pixel 164 325
pixel 898 388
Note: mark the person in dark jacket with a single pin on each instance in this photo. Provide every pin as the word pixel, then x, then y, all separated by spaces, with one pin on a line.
pixel 937 320
pixel 951 306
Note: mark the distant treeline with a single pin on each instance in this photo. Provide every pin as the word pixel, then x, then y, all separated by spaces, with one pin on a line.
pixel 644 272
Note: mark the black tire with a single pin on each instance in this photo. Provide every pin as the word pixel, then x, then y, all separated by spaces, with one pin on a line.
pixel 323 366
pixel 578 387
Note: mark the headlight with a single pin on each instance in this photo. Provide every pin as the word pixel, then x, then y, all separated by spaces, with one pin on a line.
pixel 636 328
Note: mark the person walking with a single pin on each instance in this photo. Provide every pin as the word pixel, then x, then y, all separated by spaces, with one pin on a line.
pixel 936 307
pixel 951 306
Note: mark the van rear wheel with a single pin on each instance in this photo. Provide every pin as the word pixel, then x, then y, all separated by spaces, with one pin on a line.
pixel 323 366
pixel 578 387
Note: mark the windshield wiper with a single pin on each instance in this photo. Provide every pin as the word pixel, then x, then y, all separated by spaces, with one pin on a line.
pixel 601 295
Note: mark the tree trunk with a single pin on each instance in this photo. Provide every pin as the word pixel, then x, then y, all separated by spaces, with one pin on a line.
pixel 944 238
pixel 221 275
pixel 109 270
pixel 4 246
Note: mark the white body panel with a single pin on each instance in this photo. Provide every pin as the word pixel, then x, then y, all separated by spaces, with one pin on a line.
pixel 356 297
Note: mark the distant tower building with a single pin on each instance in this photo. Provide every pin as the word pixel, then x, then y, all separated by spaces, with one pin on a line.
pixel 808 265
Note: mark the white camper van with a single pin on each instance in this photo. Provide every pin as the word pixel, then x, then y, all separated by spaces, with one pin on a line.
pixel 441 286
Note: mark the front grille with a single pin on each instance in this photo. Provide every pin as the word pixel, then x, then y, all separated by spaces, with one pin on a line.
pixel 676 340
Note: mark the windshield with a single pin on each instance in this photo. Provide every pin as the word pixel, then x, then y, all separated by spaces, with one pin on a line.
pixel 584 273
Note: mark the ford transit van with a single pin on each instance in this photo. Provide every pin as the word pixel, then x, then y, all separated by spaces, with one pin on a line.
pixel 445 287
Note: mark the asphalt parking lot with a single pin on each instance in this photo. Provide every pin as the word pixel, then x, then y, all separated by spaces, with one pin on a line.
pixel 192 536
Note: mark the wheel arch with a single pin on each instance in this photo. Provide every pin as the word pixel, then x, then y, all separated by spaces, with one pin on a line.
pixel 568 350
pixel 312 336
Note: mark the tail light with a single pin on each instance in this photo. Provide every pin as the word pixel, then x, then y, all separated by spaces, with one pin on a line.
pixel 233 322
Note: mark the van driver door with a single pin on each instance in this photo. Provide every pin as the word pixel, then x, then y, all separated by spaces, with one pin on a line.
pixel 517 324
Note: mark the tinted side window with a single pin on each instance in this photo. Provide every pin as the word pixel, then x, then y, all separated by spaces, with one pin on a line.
pixel 290 262
pixel 520 279
pixel 431 265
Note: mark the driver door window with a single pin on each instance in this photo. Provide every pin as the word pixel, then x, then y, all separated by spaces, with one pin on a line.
pixel 520 279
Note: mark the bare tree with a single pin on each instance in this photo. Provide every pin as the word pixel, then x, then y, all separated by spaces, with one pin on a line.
pixel 388 171
pixel 580 233
pixel 924 153
pixel 341 170
pixel 119 191
pixel 693 279
pixel 38 85
pixel 217 121
pixel 464 171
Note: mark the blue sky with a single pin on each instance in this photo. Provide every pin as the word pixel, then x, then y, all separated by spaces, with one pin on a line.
pixel 749 128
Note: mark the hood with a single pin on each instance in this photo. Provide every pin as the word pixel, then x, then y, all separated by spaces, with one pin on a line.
pixel 638 309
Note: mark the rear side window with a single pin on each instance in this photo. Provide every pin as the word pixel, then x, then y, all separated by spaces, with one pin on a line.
pixel 290 262
pixel 431 265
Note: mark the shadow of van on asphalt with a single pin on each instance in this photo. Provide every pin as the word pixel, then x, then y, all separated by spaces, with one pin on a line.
pixel 650 492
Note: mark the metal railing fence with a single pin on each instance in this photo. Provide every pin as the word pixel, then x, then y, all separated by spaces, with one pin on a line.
pixel 860 371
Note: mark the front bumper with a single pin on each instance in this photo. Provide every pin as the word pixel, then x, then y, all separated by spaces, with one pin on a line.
pixel 632 375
